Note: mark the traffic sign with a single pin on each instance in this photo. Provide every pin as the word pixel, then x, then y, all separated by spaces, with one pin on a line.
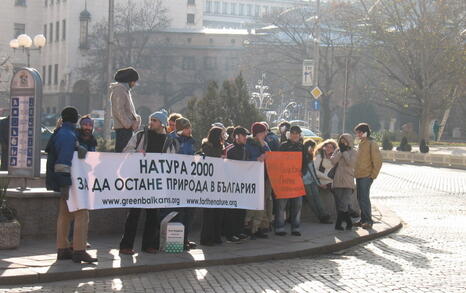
pixel 316 105
pixel 308 69
pixel 316 92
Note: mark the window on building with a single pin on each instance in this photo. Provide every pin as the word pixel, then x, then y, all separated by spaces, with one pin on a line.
pixel 51 2
pixel 191 2
pixel 241 9
pixel 190 18
pixel 208 6
pixel 166 62
pixel 249 10
pixel 225 7
pixel 63 29
pixel 232 41
pixel 50 40
pixel 265 11
pixel 19 29
pixel 216 7
pixel 257 11
pixel 46 3
pixel 45 31
pixel 189 63
pixel 231 63
pixel 210 63
pixel 20 3
pixel 189 40
pixel 55 75
pixel 233 8
pixel 57 31
pixel 44 73
pixel 49 76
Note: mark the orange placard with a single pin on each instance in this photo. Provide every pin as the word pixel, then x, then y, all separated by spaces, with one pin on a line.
pixel 284 171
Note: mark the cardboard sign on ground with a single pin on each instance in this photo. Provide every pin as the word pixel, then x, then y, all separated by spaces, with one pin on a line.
pixel 284 171
pixel 171 235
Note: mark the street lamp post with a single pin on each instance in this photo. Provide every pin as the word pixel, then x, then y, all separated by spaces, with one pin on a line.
pixel 262 96
pixel 25 42
pixel 286 113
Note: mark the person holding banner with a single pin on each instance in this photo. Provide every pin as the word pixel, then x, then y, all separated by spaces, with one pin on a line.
pixel 149 140
pixel 212 218
pixel 61 148
pixel 344 158
pixel 125 119
pixel 312 183
pixel 292 144
pixel 259 221
pixel 322 155
pixel 181 142
pixel 234 218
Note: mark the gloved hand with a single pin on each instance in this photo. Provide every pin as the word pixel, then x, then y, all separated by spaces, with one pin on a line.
pixel 81 152
pixel 342 147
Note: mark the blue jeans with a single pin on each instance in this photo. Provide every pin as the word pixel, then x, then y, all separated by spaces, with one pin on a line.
pixel 296 204
pixel 314 201
pixel 363 187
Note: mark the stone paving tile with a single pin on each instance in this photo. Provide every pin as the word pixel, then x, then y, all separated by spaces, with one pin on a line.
pixel 427 255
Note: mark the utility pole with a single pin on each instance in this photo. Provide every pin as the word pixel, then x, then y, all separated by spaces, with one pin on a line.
pixel 107 104
pixel 317 45
pixel 345 100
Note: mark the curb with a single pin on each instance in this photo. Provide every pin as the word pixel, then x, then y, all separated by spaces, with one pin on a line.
pixel 106 272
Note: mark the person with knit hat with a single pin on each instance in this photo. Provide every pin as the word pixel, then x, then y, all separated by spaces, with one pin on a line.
pixel 259 221
pixel 149 140
pixel 60 149
pixel 292 144
pixel 234 218
pixel 86 139
pixel 181 142
pixel 125 119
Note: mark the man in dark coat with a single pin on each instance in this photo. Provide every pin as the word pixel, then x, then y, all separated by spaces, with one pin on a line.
pixel 234 218
pixel 149 140
pixel 292 144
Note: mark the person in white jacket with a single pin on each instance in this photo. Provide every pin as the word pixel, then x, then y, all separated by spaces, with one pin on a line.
pixel 125 119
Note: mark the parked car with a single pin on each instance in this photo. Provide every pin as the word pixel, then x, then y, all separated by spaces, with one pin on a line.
pixel 306 133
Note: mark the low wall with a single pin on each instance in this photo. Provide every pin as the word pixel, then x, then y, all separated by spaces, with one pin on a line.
pixel 427 159
pixel 37 211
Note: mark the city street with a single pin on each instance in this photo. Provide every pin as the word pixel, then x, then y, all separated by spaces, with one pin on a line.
pixel 427 255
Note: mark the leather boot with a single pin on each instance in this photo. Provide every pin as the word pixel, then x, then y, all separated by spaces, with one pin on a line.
pixel 349 222
pixel 339 221
pixel 64 253
pixel 82 256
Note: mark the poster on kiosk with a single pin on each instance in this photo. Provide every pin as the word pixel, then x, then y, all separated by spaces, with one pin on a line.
pixel 25 128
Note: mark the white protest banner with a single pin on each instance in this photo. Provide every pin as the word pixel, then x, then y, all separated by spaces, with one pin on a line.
pixel 135 180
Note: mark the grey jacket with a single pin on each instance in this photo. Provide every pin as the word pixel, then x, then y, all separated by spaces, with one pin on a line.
pixel 123 111
pixel 344 175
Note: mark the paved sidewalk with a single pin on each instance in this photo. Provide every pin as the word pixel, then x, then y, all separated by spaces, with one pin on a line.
pixel 35 262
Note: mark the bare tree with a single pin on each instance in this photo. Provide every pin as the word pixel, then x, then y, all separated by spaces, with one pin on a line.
pixel 135 23
pixel 415 54
pixel 287 38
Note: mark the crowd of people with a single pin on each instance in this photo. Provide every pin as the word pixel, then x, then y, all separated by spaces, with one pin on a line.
pixel 331 167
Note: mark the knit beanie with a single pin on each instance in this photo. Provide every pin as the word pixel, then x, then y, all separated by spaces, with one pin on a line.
pixel 258 127
pixel 182 123
pixel 161 115
pixel 70 114
pixel 126 75
pixel 86 120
